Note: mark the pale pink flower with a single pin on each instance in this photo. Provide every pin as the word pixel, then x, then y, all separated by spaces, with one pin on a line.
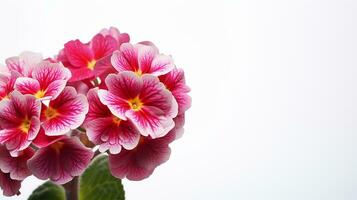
pixel 141 59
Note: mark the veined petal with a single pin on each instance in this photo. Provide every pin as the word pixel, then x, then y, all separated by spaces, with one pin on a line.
pixel 150 123
pixel 61 161
pixel 9 186
pixel 126 59
pixel 96 108
pixel 140 163
pixel 64 113
pixel 15 166
pixel 103 45
pixel 162 64
pixel 115 104
pixel 25 63
pixel 43 140
pixel 175 82
pixel 19 119
pixel 112 134
pixel 125 85
pixel 78 54
pixel 27 85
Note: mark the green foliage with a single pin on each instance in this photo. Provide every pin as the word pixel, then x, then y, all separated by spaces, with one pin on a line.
pixel 48 191
pixel 98 183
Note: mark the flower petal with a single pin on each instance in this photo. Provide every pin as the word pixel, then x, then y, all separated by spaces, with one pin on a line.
pixel 103 45
pixel 61 161
pixel 16 166
pixel 10 187
pixel 64 113
pixel 126 59
pixel 140 163
pixel 112 135
pixel 78 54
pixel 27 85
pixel 175 82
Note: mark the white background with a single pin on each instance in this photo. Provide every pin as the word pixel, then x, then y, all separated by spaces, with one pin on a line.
pixel 273 86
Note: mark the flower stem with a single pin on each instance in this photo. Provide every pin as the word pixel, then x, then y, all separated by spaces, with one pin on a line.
pixel 71 189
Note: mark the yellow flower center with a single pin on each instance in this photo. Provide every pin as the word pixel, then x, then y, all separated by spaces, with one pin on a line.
pixel 138 72
pixel 135 104
pixel 116 121
pixel 25 126
pixel 91 64
pixel 51 113
pixel 40 94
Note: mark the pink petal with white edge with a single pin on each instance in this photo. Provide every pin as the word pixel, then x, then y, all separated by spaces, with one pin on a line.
pixel 9 187
pixel 151 62
pixel 175 82
pixel 24 63
pixel 61 161
pixel 114 32
pixel 126 59
pixel 159 109
pixel 96 108
pixel 111 135
pixel 65 113
pixel 117 105
pixel 16 166
pixel 19 119
pixel 7 83
pixel 27 85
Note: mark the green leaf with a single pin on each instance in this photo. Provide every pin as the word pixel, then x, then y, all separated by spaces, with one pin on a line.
pixel 48 191
pixel 97 182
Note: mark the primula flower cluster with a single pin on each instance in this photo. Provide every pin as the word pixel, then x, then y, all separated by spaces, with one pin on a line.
pixel 126 100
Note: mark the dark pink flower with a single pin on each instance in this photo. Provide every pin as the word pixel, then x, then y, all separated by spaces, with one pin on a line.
pixel 82 59
pixel 25 63
pixel 144 100
pixel 7 82
pixel 141 59
pixel 64 113
pixel 19 120
pixel 9 186
pixel 60 161
pixel 141 162
pixel 175 82
pixel 15 166
pixel 106 130
pixel 47 81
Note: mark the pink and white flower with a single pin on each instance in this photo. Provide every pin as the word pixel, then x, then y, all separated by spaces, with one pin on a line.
pixel 7 82
pixel 175 82
pixel 25 63
pixel 115 33
pixel 144 100
pixel 82 59
pixel 61 161
pixel 20 123
pixel 64 113
pixel 141 162
pixel 46 82
pixel 15 166
pixel 106 130
pixel 9 186
pixel 141 59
